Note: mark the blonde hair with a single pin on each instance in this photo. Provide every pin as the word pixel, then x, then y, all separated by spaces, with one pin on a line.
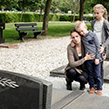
pixel 102 9
pixel 79 25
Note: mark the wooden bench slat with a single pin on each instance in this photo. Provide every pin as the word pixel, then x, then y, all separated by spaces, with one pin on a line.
pixel 34 31
pixel 26 24
pixel 30 28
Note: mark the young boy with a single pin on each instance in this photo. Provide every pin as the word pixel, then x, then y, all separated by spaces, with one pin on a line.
pixel 91 45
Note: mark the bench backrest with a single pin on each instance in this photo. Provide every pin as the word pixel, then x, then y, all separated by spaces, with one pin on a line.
pixel 29 28
pixel 25 24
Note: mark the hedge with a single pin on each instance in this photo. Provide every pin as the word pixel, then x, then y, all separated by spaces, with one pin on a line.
pixel 8 17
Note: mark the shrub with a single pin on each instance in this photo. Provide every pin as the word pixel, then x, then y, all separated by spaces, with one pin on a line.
pixel 35 17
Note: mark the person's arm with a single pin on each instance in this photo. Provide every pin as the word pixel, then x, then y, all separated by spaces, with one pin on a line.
pixel 72 59
pixel 97 44
pixel 106 28
pixel 72 43
pixel 92 24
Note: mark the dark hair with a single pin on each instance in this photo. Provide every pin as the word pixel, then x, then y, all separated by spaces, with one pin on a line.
pixel 73 30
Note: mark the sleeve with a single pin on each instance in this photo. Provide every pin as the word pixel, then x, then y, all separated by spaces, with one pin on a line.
pixel 73 62
pixel 106 29
pixel 92 24
pixel 97 45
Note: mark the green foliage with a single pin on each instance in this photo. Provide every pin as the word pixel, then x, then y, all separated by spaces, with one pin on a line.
pixel 9 17
pixel 55 29
pixel 64 18
pixel 56 17
pixel 2 16
pixel 90 18
pixel 27 17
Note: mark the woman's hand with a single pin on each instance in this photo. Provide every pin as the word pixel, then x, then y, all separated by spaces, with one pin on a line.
pixel 89 56
pixel 96 61
pixel 72 44
pixel 101 50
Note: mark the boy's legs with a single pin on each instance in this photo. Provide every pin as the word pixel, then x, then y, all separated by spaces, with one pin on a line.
pixel 90 67
pixel 97 71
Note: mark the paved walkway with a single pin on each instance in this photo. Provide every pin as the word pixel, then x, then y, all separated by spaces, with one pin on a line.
pixel 76 99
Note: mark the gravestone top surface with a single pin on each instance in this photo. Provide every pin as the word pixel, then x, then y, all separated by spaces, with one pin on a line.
pixel 61 98
pixel 88 101
pixel 58 71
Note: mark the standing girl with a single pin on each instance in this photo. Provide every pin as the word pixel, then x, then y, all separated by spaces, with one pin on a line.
pixel 101 27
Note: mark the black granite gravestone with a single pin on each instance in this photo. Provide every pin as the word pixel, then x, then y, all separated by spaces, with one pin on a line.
pixel 19 91
pixel 2 26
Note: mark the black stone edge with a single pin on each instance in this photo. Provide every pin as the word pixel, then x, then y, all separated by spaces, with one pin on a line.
pixel 67 99
pixel 106 80
pixel 56 72
pixel 35 79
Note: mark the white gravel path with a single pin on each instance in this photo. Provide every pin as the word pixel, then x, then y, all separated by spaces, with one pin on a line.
pixel 38 57
pixel 35 57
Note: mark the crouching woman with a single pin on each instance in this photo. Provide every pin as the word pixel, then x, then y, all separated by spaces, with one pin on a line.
pixel 75 70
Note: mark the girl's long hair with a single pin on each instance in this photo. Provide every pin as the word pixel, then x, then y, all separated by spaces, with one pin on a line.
pixel 102 9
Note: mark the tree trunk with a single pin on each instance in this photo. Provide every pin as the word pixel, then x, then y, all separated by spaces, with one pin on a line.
pixel 40 14
pixel 81 9
pixel 22 14
pixel 46 17
pixel 74 16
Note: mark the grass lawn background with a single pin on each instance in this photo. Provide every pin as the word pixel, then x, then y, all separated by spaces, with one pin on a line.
pixel 55 29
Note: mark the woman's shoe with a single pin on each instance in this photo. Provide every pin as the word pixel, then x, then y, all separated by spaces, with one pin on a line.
pixel 92 91
pixel 82 86
pixel 69 84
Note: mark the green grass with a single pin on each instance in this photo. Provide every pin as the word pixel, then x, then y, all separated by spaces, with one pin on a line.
pixel 55 29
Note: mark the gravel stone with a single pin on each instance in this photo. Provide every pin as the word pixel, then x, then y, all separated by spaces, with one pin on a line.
pixel 38 57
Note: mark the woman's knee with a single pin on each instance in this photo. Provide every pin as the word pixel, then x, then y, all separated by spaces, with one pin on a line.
pixel 81 78
pixel 70 73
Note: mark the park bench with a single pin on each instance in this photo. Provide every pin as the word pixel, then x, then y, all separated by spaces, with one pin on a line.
pixel 26 28
pixel 86 20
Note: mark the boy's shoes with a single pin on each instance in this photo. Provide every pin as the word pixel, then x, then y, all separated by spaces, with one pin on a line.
pixel 92 91
pixel 99 92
